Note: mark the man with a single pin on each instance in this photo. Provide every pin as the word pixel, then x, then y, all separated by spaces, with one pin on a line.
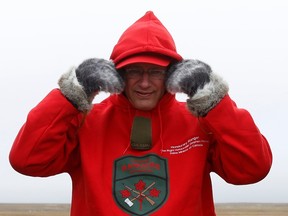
pixel 140 151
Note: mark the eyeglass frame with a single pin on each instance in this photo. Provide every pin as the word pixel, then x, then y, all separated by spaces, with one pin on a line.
pixel 138 72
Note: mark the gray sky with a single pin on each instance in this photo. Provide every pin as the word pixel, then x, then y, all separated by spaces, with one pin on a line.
pixel 245 41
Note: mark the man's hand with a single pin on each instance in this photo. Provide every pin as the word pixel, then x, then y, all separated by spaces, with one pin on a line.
pixel 80 85
pixel 204 88
pixel 188 76
pixel 99 75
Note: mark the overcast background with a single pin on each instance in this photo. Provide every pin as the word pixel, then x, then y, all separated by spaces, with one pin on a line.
pixel 245 41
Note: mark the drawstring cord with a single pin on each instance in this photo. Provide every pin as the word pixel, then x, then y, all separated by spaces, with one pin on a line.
pixel 161 130
pixel 130 117
pixel 126 149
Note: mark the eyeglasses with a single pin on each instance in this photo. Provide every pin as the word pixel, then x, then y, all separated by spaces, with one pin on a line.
pixel 138 72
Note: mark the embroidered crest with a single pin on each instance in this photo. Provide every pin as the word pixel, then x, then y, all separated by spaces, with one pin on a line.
pixel 140 183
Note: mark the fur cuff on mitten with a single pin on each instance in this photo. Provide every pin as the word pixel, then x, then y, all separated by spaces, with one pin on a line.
pixel 208 97
pixel 73 91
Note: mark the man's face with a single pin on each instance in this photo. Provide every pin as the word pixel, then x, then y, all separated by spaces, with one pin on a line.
pixel 144 84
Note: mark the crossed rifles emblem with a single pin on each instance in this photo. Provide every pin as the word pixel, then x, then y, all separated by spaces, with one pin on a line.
pixel 139 195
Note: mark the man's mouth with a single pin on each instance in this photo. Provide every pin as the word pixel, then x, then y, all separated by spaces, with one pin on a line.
pixel 143 94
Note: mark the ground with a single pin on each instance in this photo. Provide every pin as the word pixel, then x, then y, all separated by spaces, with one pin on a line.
pixel 233 209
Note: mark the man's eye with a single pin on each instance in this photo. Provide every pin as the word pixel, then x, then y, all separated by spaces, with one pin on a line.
pixel 133 71
pixel 156 72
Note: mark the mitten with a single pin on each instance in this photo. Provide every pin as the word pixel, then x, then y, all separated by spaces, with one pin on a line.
pixel 80 85
pixel 204 88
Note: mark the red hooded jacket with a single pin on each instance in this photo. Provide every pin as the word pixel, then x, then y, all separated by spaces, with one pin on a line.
pixel 111 178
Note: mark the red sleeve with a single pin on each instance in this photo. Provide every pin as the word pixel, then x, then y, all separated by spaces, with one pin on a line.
pixel 240 153
pixel 46 143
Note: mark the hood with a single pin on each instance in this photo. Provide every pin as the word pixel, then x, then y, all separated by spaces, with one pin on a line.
pixel 147 36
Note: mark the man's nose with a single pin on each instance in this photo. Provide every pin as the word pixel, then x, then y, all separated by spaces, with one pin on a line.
pixel 145 80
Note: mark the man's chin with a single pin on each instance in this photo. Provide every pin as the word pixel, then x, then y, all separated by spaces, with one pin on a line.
pixel 144 105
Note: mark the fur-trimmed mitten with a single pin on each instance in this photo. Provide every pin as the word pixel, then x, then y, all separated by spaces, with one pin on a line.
pixel 80 85
pixel 204 88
